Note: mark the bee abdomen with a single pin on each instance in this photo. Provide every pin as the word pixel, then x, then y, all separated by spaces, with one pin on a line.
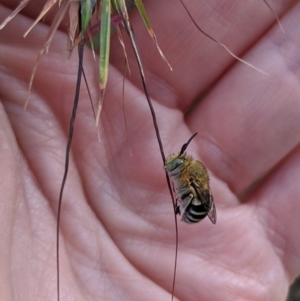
pixel 194 213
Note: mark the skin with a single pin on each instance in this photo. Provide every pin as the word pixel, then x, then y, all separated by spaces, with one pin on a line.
pixel 117 229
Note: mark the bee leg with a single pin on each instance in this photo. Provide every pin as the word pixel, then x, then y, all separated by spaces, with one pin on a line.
pixel 177 210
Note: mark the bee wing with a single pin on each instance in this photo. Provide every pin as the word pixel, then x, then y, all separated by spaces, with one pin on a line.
pixel 212 213
pixel 207 201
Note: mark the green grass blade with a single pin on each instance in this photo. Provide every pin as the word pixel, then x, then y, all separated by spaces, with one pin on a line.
pixel 117 6
pixel 104 42
pixel 87 7
pixel 141 8
pixel 104 51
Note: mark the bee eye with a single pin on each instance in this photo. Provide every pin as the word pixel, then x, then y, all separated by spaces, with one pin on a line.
pixel 173 164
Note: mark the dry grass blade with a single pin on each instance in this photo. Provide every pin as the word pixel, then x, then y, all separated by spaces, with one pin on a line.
pixel 92 46
pixel 58 17
pixel 121 40
pixel 275 15
pixel 123 103
pixel 141 8
pixel 159 50
pixel 221 44
pixel 89 93
pixel 14 13
pixel 45 10
pixel 241 60
pixel 73 17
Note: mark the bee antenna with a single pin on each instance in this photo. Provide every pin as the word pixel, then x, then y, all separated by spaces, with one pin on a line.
pixel 184 146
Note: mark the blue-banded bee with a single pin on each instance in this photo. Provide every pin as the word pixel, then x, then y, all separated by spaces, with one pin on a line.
pixel 191 185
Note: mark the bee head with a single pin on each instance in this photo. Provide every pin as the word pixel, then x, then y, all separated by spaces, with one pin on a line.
pixel 173 162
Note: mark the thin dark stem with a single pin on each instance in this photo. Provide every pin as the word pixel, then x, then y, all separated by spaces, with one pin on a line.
pixel 138 58
pixel 68 149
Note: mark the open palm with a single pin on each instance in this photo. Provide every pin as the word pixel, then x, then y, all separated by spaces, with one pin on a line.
pixel 117 227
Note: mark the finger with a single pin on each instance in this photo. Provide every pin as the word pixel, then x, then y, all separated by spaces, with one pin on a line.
pixel 9 184
pixel 249 122
pixel 196 60
pixel 277 203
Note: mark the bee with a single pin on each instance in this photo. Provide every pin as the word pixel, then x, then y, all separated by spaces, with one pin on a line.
pixel 190 180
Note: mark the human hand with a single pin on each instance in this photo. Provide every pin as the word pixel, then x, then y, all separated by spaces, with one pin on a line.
pixel 117 224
